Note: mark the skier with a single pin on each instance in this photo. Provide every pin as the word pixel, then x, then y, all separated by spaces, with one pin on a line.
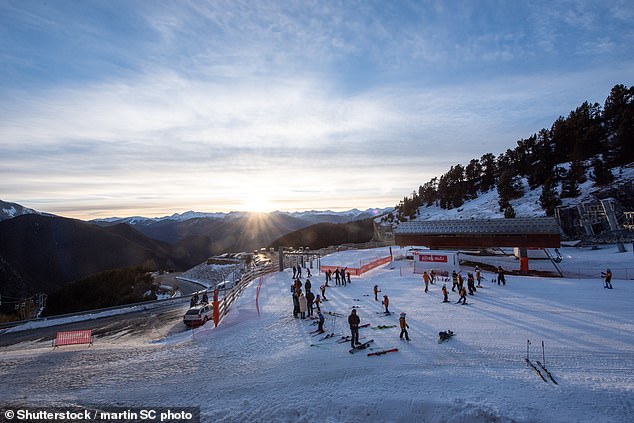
pixel 471 283
pixel 608 278
pixel 299 271
pixel 205 299
pixel 460 283
pixel 310 297
pixel 354 321
pixel 426 279
pixel 501 276
pixel 323 292
pixel 320 327
pixel 432 276
pixel 463 296
pixel 307 285
pixel 386 302
pixel 294 271
pixel 404 327
pixel 348 276
pixel 337 280
pixel 376 292
pixel 302 304
pixel 308 274
pixel 298 285
pixel 444 294
pixel 328 276
pixel 454 278
pixel 478 276
pixel 318 303
pixel 443 336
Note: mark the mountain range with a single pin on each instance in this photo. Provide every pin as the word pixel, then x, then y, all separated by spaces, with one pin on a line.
pixel 41 252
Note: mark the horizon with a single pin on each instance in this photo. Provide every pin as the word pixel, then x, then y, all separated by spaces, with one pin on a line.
pixel 134 108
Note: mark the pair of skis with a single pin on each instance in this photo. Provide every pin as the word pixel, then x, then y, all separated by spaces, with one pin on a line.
pixel 540 364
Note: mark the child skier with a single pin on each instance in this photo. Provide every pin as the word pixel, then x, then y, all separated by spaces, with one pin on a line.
pixel 320 327
pixel 426 279
pixel 376 292
pixel 463 296
pixel 608 278
pixel 445 294
pixel 404 327
pixel 386 303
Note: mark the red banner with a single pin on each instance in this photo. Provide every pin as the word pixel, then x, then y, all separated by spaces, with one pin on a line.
pixel 432 258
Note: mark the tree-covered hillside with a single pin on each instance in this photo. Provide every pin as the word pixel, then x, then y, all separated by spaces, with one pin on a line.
pixel 591 140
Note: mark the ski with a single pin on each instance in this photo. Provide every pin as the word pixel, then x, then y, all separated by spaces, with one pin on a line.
pixel 530 363
pixel 547 372
pixel 364 325
pixel 361 346
pixel 541 376
pixel 384 313
pixel 330 335
pixel 332 313
pixel 383 327
pixel 391 350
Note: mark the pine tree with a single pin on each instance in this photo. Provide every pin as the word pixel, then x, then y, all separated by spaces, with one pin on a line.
pixel 602 175
pixel 549 199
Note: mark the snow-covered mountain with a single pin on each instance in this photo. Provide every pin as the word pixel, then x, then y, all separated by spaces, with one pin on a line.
pixel 311 216
pixel 11 210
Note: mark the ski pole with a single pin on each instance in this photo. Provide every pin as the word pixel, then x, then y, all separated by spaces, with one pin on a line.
pixel 528 342
pixel 543 355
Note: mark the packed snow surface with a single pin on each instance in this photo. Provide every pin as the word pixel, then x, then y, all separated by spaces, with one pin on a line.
pixel 267 367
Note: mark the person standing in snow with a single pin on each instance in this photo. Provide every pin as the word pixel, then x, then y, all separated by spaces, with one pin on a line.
pixel 320 327
pixel 471 283
pixel 343 276
pixel 463 296
pixel 478 276
pixel 348 276
pixel 607 275
pixel 501 276
pixel 310 297
pixel 404 327
pixel 354 321
pixel 432 276
pixel 295 301
pixel 328 276
pixel 318 303
pixel 323 292
pixel 445 294
pixel 337 280
pixel 307 285
pixel 299 271
pixel 454 278
pixel 308 274
pixel 303 305
pixel 376 292
pixel 426 279
pixel 294 271
pixel 386 303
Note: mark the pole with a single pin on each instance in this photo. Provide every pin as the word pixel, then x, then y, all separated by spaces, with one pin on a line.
pixel 543 355
pixel 528 342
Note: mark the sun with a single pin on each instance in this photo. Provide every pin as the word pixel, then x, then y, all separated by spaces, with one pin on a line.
pixel 257 203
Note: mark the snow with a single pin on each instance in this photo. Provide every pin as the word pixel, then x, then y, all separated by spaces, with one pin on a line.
pixel 262 367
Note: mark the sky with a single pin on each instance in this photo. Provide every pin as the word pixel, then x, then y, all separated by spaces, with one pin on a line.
pixel 121 108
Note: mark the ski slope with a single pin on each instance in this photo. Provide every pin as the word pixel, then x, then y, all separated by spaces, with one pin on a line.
pixel 262 367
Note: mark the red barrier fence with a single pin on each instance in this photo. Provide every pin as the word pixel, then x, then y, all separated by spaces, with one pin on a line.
pixel 73 337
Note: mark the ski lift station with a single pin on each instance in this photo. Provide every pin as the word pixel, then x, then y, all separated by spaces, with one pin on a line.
pixel 521 233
